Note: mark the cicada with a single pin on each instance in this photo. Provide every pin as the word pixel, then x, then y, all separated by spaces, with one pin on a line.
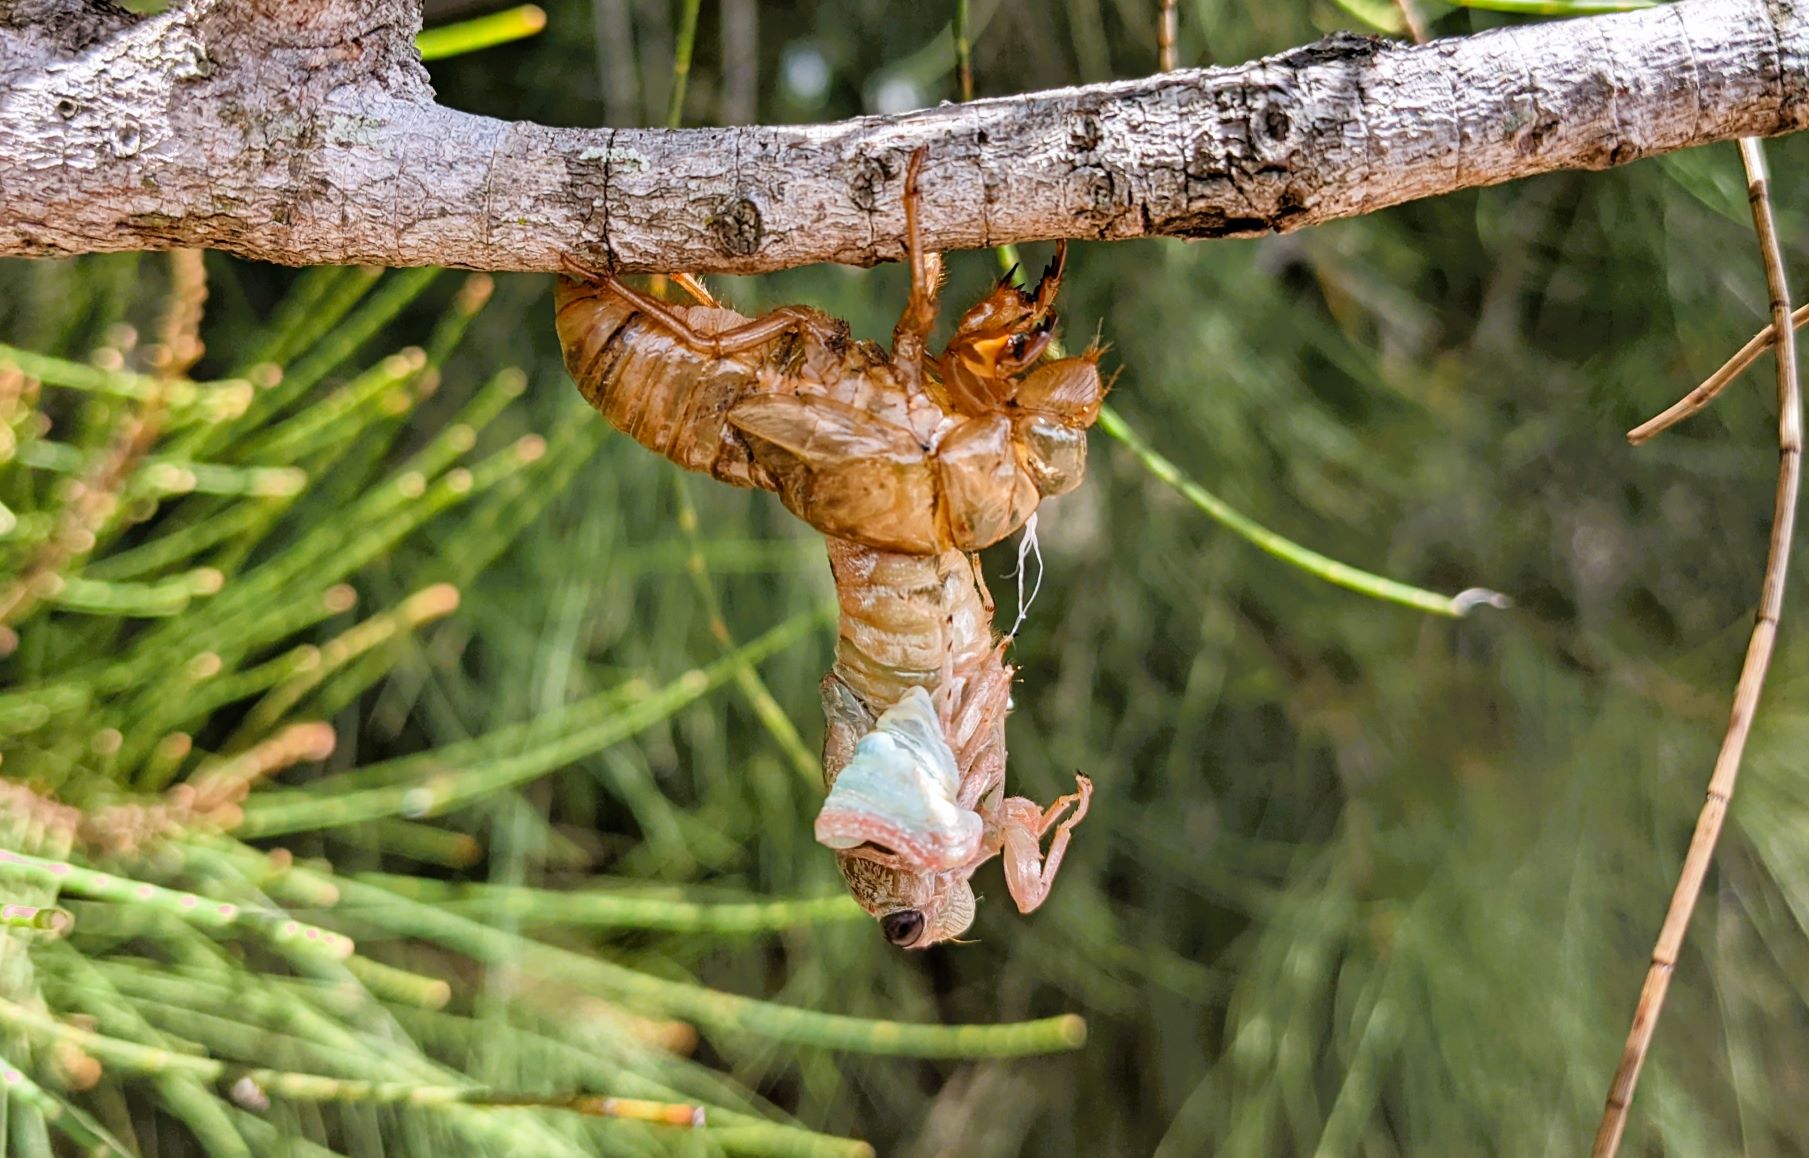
pixel 907 462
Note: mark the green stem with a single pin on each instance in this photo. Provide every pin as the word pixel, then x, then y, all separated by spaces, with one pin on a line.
pixel 320 807
pixel 481 32
pixel 320 297
pixel 420 608
pixel 681 62
pixel 89 990
pixel 325 355
pixel 714 1010
pixel 159 475
pixel 177 546
pixel 734 1130
pixel 604 910
pixel 156 599
pixel 184 399
pixel 77 1126
pixel 333 418
pixel 187 907
pixel 153 1060
pixel 759 697
pixel 1308 560
pixel 964 65
pixel 57 922
pixel 1288 551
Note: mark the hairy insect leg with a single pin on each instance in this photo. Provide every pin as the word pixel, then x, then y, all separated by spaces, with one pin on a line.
pixel 1029 872
pixel 977 734
pixel 912 335
pixel 694 286
pixel 986 603
pixel 983 706
pixel 1050 284
pixel 973 708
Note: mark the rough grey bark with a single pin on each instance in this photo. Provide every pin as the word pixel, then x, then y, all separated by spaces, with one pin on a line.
pixel 304 131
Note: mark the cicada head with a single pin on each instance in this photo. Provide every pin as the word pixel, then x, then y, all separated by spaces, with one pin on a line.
pixel 1010 310
pixel 1000 337
pixel 915 909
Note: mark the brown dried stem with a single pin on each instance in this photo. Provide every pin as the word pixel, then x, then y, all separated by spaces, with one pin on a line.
pixel 209 799
pixel 1752 672
pixel 1715 383
pixel 1168 28
pixel 180 331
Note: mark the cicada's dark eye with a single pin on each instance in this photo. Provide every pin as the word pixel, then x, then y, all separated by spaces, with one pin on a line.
pixel 902 927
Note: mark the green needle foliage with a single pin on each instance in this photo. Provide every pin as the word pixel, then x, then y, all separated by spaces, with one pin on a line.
pixel 213 584
pixel 386 742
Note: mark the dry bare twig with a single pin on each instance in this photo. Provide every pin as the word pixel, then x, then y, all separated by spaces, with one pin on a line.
pixel 1168 31
pixel 1752 671
pixel 1715 383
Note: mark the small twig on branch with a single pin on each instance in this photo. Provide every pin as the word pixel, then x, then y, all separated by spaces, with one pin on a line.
pixel 1715 383
pixel 304 132
pixel 964 51
pixel 1410 16
pixel 1168 31
pixel 1752 671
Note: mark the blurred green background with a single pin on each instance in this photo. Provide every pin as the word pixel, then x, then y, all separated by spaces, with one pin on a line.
pixel 1357 880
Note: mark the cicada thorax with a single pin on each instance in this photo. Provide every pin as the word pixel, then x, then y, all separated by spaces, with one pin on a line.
pixel 965 479
pixel 847 455
pixel 992 371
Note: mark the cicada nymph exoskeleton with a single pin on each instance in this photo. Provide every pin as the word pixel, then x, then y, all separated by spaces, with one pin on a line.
pixel 908 462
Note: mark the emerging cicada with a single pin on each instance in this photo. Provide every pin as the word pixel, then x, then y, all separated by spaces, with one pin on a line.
pixel 907 462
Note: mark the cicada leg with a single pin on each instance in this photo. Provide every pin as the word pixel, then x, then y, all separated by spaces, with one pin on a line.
pixel 910 339
pixel 578 271
pixel 1029 872
pixel 733 340
pixel 977 733
pixel 1050 284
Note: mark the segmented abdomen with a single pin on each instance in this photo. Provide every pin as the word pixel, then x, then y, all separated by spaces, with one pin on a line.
pixel 907 621
pixel 652 387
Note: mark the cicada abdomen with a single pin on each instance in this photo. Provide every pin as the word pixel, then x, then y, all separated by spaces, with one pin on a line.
pixel 668 375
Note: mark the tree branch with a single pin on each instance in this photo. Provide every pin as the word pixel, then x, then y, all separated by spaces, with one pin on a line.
pixel 304 132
